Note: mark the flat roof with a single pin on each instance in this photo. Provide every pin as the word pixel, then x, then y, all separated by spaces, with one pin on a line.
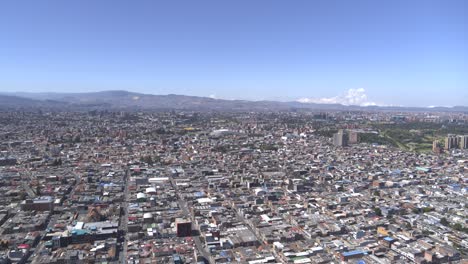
pixel 79 225
pixel 354 252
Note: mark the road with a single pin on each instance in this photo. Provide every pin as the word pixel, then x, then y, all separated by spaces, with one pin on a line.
pixel 35 252
pixel 28 189
pixel 253 230
pixel 25 184
pixel 196 239
pixel 183 206
pixel 123 227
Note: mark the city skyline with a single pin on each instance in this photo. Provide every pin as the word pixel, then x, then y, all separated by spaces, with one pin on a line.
pixel 393 53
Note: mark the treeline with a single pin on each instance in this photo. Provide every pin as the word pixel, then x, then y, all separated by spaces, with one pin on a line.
pixel 427 127
pixel 326 132
pixel 375 138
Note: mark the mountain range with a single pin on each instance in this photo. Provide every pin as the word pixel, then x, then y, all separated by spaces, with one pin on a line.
pixel 124 100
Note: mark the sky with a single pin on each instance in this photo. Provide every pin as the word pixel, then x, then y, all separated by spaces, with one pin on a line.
pixel 394 52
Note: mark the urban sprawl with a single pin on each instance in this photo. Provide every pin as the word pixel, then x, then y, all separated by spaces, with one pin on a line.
pixel 194 187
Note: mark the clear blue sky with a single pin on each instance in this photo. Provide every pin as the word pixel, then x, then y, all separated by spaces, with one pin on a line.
pixel 408 52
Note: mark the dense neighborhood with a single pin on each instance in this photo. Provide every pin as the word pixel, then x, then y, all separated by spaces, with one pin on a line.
pixel 245 187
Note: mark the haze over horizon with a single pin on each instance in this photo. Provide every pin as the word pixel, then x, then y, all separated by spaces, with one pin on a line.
pixel 362 52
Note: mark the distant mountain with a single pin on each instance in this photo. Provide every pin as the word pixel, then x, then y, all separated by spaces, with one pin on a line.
pixel 16 102
pixel 130 100
pixel 137 101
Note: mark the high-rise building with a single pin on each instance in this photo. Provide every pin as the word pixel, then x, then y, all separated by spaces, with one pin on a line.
pixel 340 138
pixel 463 142
pixel 451 141
pixel 436 147
pixel 353 137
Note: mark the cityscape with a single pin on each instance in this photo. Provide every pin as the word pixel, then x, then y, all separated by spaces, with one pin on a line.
pixel 211 187
pixel 243 132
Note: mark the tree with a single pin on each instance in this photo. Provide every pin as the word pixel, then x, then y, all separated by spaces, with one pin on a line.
pixel 427 209
pixel 57 162
pixel 444 221
pixel 157 159
pixel 147 159
pixel 377 211
pixel 458 227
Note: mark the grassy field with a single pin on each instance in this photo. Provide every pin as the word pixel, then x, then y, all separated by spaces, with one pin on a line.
pixel 417 137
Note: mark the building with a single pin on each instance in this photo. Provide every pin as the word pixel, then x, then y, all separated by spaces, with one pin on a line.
pixel 463 142
pixel 451 141
pixel 8 161
pixel 44 203
pixel 436 147
pixel 88 232
pixel 341 138
pixel 387 241
pixel 456 141
pixel 183 227
pixel 345 256
pixel 353 137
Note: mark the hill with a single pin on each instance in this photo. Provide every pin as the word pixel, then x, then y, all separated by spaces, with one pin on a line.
pixel 124 100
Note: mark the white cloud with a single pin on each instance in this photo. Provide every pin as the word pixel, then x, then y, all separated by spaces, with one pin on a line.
pixel 212 96
pixel 351 97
